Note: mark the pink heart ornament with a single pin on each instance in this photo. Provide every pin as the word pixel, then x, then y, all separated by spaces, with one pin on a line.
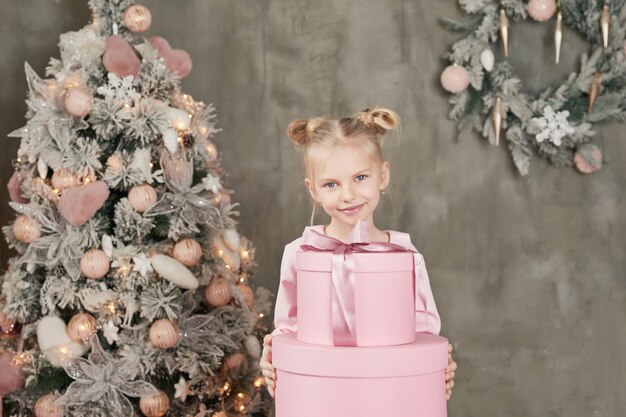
pixel 120 57
pixel 176 60
pixel 78 205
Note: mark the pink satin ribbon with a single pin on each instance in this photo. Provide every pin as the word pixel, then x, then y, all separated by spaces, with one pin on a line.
pixel 343 273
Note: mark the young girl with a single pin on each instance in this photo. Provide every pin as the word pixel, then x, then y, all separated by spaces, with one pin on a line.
pixel 346 175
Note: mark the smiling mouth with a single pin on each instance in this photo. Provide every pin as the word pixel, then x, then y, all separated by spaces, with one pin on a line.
pixel 351 210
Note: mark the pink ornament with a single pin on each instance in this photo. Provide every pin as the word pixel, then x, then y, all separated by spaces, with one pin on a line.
pixel 455 79
pixel 164 334
pixel 94 264
pixel 78 102
pixel 137 18
pixel 176 60
pixel 588 159
pixel 63 179
pixel 234 365
pixel 155 405
pixel 26 229
pixel 45 407
pixel 187 251
pixel 15 189
pixel 12 375
pixel 541 10
pixel 247 293
pixel 79 204
pixel 218 293
pixel 142 197
pixel 120 57
pixel 81 327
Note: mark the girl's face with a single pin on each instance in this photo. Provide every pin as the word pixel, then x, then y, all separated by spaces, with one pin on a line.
pixel 347 182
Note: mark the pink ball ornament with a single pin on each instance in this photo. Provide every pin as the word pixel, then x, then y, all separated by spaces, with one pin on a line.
pixel 45 407
pixel 15 189
pixel 455 79
pixel 588 159
pixel 218 293
pixel 248 294
pixel 81 327
pixel 164 334
pixel 187 251
pixel 94 264
pixel 155 405
pixel 137 18
pixel 12 375
pixel 63 179
pixel 142 197
pixel 78 102
pixel 234 365
pixel 541 10
pixel 26 229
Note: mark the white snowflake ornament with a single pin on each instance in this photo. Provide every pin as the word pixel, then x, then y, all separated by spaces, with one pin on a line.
pixel 142 264
pixel 553 125
pixel 212 183
pixel 110 331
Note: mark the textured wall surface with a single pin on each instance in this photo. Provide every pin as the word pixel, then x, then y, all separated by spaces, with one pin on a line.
pixel 528 273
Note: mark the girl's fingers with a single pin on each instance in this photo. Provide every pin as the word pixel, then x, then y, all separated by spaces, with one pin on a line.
pixel 450 348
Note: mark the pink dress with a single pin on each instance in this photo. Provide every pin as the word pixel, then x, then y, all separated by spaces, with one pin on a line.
pixel 427 318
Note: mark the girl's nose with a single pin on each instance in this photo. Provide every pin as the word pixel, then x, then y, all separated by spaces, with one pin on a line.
pixel 347 194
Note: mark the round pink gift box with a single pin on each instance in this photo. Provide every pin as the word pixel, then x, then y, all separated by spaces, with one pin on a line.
pixel 384 298
pixel 339 381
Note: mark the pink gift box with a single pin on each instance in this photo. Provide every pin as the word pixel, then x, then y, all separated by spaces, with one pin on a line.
pixel 339 381
pixel 384 299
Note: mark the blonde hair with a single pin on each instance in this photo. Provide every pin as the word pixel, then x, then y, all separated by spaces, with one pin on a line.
pixel 364 129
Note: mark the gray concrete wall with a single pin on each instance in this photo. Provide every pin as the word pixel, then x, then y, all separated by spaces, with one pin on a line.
pixel 528 273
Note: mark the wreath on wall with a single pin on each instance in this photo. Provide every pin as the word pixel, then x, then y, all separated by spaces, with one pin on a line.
pixel 557 123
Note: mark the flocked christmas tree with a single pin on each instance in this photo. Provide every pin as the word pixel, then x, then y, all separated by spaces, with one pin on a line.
pixel 129 293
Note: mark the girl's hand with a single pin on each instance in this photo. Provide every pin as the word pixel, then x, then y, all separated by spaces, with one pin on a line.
pixel 269 372
pixel 450 373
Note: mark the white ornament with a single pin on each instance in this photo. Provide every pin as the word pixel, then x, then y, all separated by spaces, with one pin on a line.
pixel 55 343
pixel 173 271
pixel 212 183
pixel 487 59
pixel 42 168
pixel 107 245
pixel 253 346
pixel 231 239
pixel 141 162
pixel 110 332
pixel 182 389
pixel 132 306
pixel 553 126
pixel 170 140
pixel 179 119
pixel 142 264
pixel 230 258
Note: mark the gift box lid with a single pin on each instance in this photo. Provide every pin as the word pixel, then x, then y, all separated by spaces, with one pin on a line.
pixel 363 261
pixel 427 354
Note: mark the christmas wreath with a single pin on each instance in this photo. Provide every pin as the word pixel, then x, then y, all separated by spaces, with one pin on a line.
pixel 556 123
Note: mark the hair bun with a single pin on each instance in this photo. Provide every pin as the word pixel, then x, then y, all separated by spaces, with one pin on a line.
pixel 381 119
pixel 297 131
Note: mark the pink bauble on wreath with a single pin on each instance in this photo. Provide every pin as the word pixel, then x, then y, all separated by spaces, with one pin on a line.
pixel 588 159
pixel 248 294
pixel 137 18
pixel 12 375
pixel 63 179
pixel 164 334
pixel 45 407
pixel 155 405
pixel 26 229
pixel 218 293
pixel 455 79
pixel 15 189
pixel 234 364
pixel 187 251
pixel 541 10
pixel 94 264
pixel 142 197
pixel 78 102
pixel 81 327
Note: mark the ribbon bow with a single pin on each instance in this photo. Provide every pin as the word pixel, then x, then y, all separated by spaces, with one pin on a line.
pixel 343 273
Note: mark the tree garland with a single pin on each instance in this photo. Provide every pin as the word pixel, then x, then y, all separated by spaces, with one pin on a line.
pixel 556 123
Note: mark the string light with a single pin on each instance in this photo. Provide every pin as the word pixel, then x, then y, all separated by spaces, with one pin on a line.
pixel 259 382
pixel 261 315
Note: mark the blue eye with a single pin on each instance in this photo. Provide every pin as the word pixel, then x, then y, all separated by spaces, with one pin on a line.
pixel 330 184
pixel 361 177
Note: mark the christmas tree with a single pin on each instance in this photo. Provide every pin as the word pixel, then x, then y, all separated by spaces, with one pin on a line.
pixel 129 292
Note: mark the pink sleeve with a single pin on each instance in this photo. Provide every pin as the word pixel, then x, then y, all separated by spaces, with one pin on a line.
pixel 427 318
pixel 286 310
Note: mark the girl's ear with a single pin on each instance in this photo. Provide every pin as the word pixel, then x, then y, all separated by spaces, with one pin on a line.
pixel 311 188
pixel 384 176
